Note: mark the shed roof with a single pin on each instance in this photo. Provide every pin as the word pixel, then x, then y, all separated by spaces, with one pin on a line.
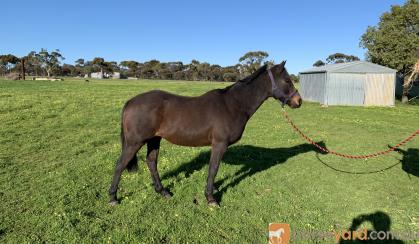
pixel 350 67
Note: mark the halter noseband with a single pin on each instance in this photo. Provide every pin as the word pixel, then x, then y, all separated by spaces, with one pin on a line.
pixel 280 94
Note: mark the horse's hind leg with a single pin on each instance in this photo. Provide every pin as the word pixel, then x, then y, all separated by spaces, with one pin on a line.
pixel 127 155
pixel 153 146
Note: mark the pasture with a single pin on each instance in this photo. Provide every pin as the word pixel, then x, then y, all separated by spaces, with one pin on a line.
pixel 59 142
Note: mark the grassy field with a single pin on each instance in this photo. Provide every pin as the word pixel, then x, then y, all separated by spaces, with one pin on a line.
pixel 59 142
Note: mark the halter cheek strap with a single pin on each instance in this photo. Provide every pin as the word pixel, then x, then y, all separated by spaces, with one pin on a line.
pixel 278 93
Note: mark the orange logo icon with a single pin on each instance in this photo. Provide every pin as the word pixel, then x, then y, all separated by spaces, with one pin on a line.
pixel 279 233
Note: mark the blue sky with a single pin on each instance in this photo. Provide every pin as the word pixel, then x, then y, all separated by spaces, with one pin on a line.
pixel 214 31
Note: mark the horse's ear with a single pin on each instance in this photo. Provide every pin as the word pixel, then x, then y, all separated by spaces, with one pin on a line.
pixel 282 64
pixel 280 67
pixel 255 74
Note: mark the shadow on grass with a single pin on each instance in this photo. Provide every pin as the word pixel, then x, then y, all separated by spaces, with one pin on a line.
pixel 356 172
pixel 381 224
pixel 410 160
pixel 251 158
pixel 410 163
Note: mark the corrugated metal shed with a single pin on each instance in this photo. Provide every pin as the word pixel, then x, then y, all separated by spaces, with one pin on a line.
pixel 353 83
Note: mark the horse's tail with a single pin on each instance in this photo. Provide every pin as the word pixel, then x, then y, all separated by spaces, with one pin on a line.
pixel 133 164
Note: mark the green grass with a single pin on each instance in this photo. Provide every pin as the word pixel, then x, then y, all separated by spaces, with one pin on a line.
pixel 59 142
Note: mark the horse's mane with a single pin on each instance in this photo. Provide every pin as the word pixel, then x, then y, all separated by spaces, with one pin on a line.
pixel 254 75
pixel 248 79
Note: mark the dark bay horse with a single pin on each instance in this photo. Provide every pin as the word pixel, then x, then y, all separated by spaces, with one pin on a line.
pixel 216 118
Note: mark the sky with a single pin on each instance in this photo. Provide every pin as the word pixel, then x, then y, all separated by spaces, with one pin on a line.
pixel 218 32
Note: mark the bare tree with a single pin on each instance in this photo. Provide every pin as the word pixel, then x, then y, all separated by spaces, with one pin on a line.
pixel 408 81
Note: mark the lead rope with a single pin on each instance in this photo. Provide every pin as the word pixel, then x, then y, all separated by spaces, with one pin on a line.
pixel 342 154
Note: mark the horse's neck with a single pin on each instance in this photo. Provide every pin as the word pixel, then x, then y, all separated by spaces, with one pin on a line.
pixel 247 98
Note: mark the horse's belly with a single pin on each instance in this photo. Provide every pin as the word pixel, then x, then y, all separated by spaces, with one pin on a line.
pixel 187 138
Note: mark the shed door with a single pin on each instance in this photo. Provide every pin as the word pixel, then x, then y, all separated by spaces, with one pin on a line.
pixel 379 89
pixel 345 89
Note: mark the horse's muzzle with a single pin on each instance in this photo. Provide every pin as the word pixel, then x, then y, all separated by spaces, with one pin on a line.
pixel 295 101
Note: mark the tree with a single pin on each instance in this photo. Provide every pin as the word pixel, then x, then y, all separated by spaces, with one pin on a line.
pixel 79 62
pixel 88 67
pixel 318 63
pixel 192 70
pixel 98 63
pixel 175 67
pixel 151 69
pixel 111 67
pixel 49 61
pixel 337 58
pixel 204 70
pixel 408 81
pixel 69 70
pixel 79 68
pixel 131 67
pixel 216 72
pixel 7 62
pixel 22 67
pixel 32 64
pixel 252 61
pixel 394 42
pixel 231 73
pixel 295 78
pixel 230 77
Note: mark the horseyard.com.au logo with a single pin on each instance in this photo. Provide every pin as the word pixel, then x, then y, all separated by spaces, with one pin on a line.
pixel 279 233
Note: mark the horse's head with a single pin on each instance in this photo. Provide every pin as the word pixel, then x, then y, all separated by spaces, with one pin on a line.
pixel 282 87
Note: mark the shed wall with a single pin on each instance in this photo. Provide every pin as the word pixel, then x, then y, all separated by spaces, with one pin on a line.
pixel 345 89
pixel 313 87
pixel 379 89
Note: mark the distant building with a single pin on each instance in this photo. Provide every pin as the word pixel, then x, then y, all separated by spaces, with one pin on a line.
pixel 105 75
pixel 97 75
pixel 354 83
pixel 116 75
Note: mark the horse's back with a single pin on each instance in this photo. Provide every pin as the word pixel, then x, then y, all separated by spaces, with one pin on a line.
pixel 182 120
pixel 158 98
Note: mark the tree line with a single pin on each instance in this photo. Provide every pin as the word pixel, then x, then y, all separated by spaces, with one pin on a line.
pixel 48 63
pixel 336 58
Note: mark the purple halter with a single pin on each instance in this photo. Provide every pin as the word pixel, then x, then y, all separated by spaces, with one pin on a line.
pixel 278 93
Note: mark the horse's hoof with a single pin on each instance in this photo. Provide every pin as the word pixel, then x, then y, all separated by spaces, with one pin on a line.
pixel 213 203
pixel 113 203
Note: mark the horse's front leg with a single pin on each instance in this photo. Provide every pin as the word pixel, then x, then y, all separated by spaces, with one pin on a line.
pixel 217 152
